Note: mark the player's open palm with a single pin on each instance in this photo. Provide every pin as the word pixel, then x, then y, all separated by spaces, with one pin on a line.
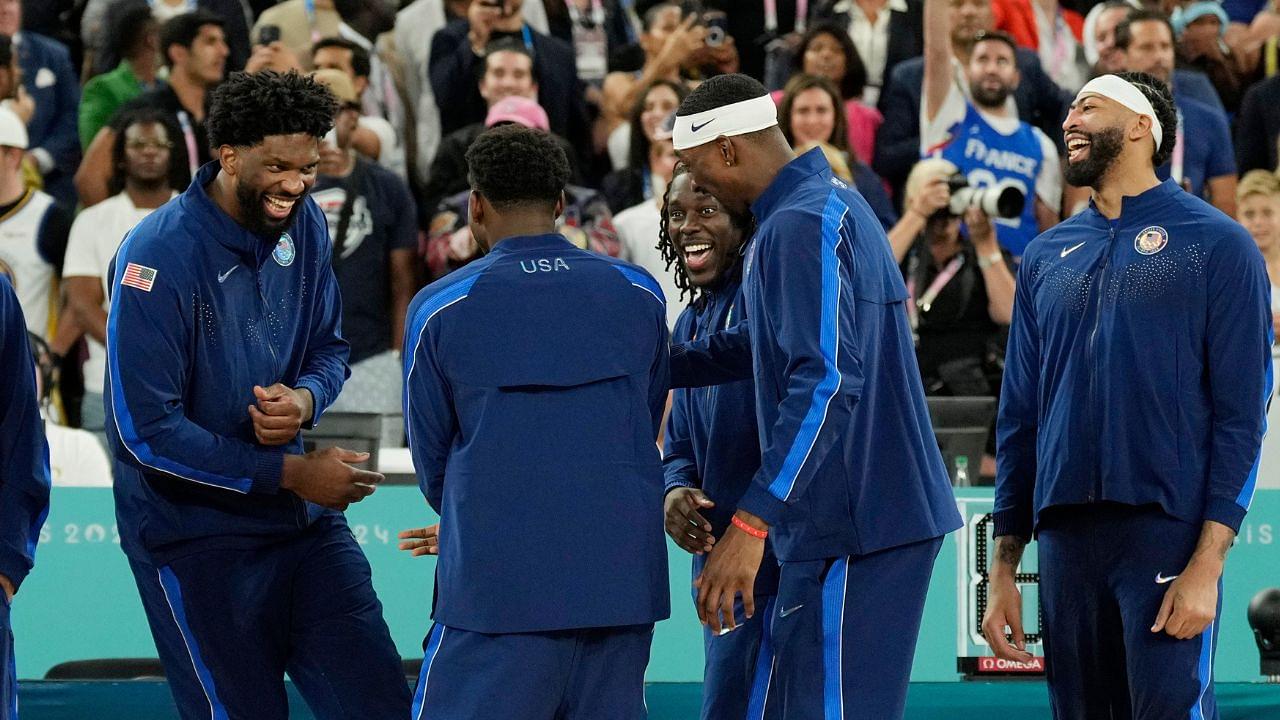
pixel 1189 605
pixel 324 477
pixel 1004 614
pixel 685 523
pixel 421 541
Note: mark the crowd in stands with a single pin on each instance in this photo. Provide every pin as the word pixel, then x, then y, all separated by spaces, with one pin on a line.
pixel 104 107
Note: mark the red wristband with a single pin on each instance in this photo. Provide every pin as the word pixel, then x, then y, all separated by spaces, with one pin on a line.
pixel 762 534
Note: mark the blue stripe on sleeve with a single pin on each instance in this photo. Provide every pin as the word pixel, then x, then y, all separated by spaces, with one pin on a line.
pixel 418 327
pixel 642 281
pixel 140 450
pixel 1245 498
pixel 828 337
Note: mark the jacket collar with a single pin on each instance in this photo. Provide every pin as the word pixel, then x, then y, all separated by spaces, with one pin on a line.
pixel 1141 204
pixel 526 243
pixel 216 224
pixel 792 174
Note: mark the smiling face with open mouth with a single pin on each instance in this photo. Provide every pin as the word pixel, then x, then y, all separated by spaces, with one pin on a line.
pixel 274 177
pixel 705 237
pixel 1094 135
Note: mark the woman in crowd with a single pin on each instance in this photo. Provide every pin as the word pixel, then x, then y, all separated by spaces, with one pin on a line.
pixel 826 51
pixel 809 113
pixel 635 183
pixel 1258 206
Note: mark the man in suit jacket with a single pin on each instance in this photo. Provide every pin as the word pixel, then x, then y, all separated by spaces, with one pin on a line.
pixel 1040 102
pixel 456 58
pixel 52 83
pixel 1257 128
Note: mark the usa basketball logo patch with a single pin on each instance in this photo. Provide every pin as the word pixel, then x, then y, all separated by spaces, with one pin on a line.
pixel 1151 240
pixel 285 251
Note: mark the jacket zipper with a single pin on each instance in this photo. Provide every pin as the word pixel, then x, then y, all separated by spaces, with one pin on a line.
pixel 1096 490
pixel 299 507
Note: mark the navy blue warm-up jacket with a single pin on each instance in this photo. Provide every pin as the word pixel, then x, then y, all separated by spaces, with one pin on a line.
pixel 24 454
pixel 1139 365
pixel 850 464
pixel 201 311
pixel 536 379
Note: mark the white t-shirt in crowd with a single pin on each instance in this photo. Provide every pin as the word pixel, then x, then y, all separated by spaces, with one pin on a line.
pixel 637 228
pixel 95 237
pixel 76 458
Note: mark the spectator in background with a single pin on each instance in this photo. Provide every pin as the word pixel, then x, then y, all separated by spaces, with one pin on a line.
pixel 1199 29
pixel 826 51
pixel 596 29
pixel 638 226
pixel 76 457
pixel 635 183
pixel 1037 100
pixel 1053 31
pixel 1203 160
pixel 34 228
pixel 885 32
pixel 960 291
pixel 54 87
pixel 375 137
pixel 303 22
pixel 142 155
pixel 1100 49
pixel 1258 197
pixel 415 27
pixel 102 16
pixel 508 74
pixel 195 51
pixel 14 97
pixel 1254 38
pixel 373 224
pixel 456 52
pixel 809 112
pixel 1258 127
pixel 980 134
pixel 136 40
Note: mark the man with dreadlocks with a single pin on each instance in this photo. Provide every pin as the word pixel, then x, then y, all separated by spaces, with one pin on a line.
pixel 222 342
pixel 712 449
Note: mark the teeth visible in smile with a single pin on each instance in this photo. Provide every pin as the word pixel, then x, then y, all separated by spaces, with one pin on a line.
pixel 1077 144
pixel 695 249
pixel 282 204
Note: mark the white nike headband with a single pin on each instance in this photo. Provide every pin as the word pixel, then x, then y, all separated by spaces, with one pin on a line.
pixel 1114 87
pixel 737 118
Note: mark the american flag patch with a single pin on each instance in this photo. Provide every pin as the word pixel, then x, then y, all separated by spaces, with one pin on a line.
pixel 139 276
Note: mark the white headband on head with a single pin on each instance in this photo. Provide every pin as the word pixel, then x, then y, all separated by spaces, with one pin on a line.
pixel 737 118
pixel 1114 87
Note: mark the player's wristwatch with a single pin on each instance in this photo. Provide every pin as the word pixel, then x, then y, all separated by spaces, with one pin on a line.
pixel 987 261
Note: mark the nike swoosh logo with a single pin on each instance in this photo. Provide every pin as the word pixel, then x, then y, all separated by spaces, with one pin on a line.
pixel 697 128
pixel 787 611
pixel 1070 250
pixel 1161 579
pixel 223 276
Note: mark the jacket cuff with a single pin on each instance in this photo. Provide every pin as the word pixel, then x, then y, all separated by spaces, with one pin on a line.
pixel 268 468
pixel 318 401
pixel 760 502
pixel 1013 522
pixel 676 482
pixel 14 566
pixel 1227 512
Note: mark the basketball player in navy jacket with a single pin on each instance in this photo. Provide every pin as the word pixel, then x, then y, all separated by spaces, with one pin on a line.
pixel 851 486
pixel 535 380
pixel 223 340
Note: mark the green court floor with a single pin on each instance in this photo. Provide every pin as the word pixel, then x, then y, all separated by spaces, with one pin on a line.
pixel 1024 700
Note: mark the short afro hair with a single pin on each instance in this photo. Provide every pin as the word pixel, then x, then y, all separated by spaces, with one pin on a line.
pixel 250 107
pixel 515 165
pixel 719 91
pixel 1161 98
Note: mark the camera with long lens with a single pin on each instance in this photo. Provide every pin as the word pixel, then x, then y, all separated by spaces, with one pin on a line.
pixel 1004 199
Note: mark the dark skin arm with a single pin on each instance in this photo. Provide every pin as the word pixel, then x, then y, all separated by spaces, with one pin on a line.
pixel 404 282
pixel 1004 605
pixel 84 303
pixel 730 571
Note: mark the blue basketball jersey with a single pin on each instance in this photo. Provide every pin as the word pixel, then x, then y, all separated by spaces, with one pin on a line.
pixel 986 157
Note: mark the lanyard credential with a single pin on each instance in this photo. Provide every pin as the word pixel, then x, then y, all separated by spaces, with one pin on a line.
pixel 925 303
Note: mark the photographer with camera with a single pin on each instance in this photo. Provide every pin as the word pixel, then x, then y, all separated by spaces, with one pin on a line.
pixel 959 284
pixel 974 127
